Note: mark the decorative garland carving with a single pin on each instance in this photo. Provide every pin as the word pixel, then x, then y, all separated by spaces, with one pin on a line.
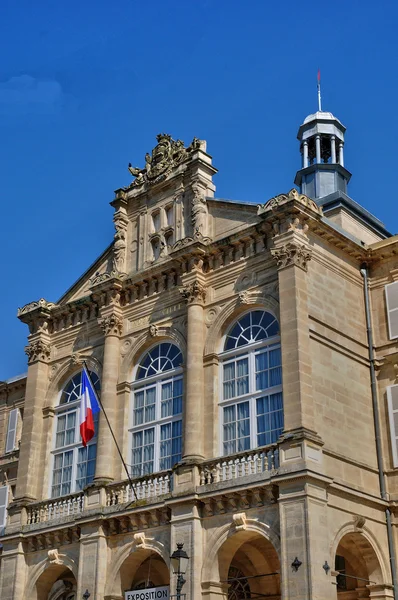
pixel 38 350
pixel 194 293
pixel 292 254
pixel 111 325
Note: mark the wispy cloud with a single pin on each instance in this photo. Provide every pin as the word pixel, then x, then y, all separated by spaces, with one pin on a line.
pixel 24 94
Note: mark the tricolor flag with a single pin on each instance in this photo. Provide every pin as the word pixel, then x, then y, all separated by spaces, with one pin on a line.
pixel 89 405
pixel 319 77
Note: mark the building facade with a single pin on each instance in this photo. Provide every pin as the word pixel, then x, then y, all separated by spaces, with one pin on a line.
pixel 246 359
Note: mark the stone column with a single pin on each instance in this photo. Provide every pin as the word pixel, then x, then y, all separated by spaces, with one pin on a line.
pixel 333 148
pixel 305 155
pixel 194 293
pixel 341 153
pixel 111 323
pixel 318 148
pixel 30 475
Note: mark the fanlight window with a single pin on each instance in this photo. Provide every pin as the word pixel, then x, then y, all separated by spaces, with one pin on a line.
pixel 73 464
pixel 157 411
pixel 251 406
pixel 254 327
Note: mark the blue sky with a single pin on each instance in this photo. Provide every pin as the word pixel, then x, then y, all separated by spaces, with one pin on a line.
pixel 86 86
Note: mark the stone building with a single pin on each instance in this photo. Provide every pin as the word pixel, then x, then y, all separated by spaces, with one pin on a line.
pixel 246 359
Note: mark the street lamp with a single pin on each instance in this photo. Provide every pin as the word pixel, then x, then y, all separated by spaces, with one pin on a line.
pixel 179 562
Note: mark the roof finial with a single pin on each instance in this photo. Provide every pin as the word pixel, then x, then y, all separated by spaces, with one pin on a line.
pixel 319 91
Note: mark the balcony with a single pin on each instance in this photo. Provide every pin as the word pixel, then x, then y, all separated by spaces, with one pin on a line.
pixel 239 470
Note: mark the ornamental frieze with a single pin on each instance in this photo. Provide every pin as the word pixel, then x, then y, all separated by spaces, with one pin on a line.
pixel 167 155
pixel 38 350
pixel 194 293
pixel 111 325
pixel 292 254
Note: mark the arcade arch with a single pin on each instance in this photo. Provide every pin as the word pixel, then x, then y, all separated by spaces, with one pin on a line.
pixel 357 561
pixel 247 566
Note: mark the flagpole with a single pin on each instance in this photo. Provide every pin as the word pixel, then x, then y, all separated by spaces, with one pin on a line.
pixel 319 91
pixel 113 435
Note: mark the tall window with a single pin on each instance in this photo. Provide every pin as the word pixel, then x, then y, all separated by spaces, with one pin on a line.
pixel 157 411
pixel 251 406
pixel 73 464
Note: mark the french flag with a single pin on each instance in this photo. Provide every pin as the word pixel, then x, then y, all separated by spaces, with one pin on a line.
pixel 89 405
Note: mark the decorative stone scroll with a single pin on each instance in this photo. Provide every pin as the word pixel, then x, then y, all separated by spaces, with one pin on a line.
pixel 278 201
pixel 42 303
pixel 38 350
pixel 101 277
pixel 166 155
pixel 194 293
pixel 111 324
pixel 292 254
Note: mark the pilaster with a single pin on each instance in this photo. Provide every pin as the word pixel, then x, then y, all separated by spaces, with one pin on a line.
pixel 92 561
pixel 292 253
pixel 305 536
pixel 186 528
pixel 12 571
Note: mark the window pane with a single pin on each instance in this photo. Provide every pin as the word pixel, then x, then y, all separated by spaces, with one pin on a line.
pixel 242 371
pixel 138 413
pixel 167 401
pixel 177 399
pixel 150 404
pixel 62 474
pixel 143 452
pixel 229 381
pixel 269 419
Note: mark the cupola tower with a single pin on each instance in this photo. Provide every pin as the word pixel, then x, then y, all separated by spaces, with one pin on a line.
pixel 321 139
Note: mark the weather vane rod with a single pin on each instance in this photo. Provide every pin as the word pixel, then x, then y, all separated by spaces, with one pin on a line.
pixel 319 91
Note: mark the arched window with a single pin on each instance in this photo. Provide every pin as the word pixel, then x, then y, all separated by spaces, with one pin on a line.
pixel 251 406
pixel 73 464
pixel 157 411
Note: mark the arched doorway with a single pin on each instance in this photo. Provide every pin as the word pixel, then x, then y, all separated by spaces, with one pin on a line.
pixel 359 567
pixel 143 569
pixel 249 565
pixel 56 583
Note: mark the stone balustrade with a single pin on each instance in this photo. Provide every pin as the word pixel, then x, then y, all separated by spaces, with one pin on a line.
pixel 263 460
pixel 56 508
pixel 146 488
pixel 251 462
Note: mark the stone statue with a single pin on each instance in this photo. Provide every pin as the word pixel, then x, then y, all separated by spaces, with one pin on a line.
pixel 199 211
pixel 119 251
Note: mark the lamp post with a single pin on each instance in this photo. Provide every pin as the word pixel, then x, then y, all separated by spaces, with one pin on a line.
pixel 179 562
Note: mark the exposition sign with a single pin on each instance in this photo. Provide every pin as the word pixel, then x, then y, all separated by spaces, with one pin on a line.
pixel 156 593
